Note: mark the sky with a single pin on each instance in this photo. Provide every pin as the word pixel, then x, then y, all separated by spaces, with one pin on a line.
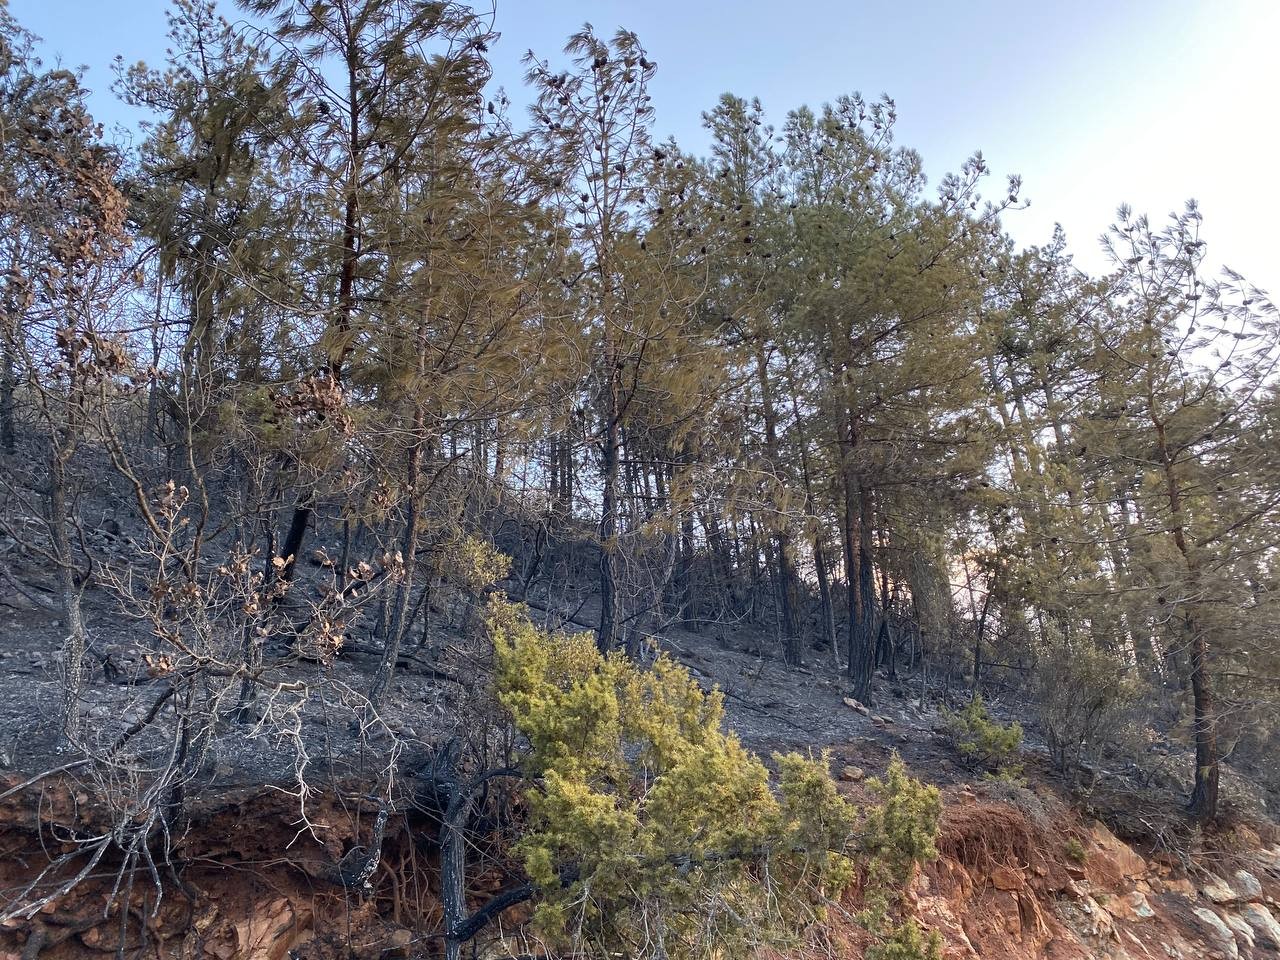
pixel 1094 102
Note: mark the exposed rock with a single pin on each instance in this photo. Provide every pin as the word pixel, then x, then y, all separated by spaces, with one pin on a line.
pixel 1269 860
pixel 1240 927
pixel 1114 851
pixel 851 774
pixel 1007 878
pixel 1075 890
pixel 855 705
pixel 1141 907
pixel 943 919
pixel 269 932
pixel 399 942
pixel 104 938
pixel 1176 885
pixel 1086 918
pixel 1132 906
pixel 1265 926
pixel 1247 885
pixel 1218 931
pixel 1218 890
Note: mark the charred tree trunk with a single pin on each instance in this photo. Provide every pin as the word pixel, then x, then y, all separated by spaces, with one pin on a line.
pixel 1204 795
pixel 688 588
pixel 553 469
pixel 340 335
pixel 70 591
pixel 789 602
pixel 293 538
pixel 1203 803
pixel 398 621
pixel 565 465
pixel 607 634
pixel 787 588
pixel 860 640
pixel 828 611
pixel 8 384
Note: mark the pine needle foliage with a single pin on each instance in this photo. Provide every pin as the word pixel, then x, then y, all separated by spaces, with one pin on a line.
pixel 898 836
pixel 985 742
pixel 652 830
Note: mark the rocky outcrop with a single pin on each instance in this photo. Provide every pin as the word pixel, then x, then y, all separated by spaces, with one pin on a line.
pixel 1266 928
pixel 1007 890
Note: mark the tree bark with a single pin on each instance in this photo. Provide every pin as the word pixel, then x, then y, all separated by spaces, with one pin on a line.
pixel 787 589
pixel 398 622
pixel 8 384
pixel 1204 795
pixel 298 524
pixel 860 640
pixel 607 634
pixel 827 612
pixel 69 593
pixel 1203 803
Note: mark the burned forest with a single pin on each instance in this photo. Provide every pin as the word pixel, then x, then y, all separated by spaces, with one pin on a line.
pixel 445 521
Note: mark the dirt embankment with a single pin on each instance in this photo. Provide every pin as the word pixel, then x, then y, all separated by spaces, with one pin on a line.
pixel 1015 880
pixel 256 881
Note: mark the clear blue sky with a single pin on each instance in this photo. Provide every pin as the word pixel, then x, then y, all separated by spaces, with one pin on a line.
pixel 1095 103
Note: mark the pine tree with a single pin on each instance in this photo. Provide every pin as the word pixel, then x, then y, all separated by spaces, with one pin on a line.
pixel 370 84
pixel 628 222
pixel 884 291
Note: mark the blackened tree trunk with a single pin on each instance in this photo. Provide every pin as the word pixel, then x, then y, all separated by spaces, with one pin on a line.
pixel 860 640
pixel 828 612
pixel 1204 795
pixel 565 466
pixel 688 587
pixel 292 543
pixel 787 588
pixel 70 591
pixel 399 620
pixel 789 602
pixel 607 635
pixel 8 384
pixel 340 334
pixel 1203 803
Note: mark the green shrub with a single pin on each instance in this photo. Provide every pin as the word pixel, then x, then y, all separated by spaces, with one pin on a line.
pixel 474 563
pixel 984 742
pixel 1074 850
pixel 907 942
pixel 898 835
pixel 652 831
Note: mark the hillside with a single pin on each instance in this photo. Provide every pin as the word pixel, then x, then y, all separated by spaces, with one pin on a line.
pixel 1026 868
pixel 438 520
